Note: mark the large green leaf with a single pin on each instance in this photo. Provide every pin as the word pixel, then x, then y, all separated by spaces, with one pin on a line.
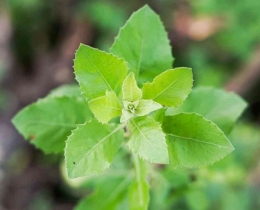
pixel 48 122
pixel 144 44
pixel 131 92
pixel 91 147
pixel 139 190
pixel 148 140
pixel 222 108
pixel 170 88
pixel 194 141
pixel 109 193
pixel 98 71
pixel 106 107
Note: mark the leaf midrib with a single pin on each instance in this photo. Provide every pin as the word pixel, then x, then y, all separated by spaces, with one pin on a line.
pixel 199 141
pixel 142 44
pixel 53 123
pixel 99 72
pixel 96 145
pixel 169 86
pixel 144 136
pixel 110 107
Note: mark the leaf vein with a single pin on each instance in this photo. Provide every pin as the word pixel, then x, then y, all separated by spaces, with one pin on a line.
pixel 96 145
pixel 169 86
pixel 199 141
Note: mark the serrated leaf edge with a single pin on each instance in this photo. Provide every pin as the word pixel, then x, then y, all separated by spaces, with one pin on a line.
pixel 129 19
pixel 192 113
pixel 66 145
pixel 190 90
pixel 108 53
pixel 40 101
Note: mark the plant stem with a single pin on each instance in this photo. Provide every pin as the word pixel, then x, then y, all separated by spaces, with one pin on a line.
pixel 136 161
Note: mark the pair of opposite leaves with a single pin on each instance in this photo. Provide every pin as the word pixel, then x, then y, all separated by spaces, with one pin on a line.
pixel 109 106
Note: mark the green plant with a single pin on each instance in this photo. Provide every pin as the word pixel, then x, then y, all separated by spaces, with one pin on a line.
pixel 119 112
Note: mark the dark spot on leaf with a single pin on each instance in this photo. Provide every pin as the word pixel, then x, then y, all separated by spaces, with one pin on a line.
pixel 74 163
pixel 32 137
pixel 193 177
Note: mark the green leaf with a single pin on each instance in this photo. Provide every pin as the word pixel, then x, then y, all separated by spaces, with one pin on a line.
pixel 65 90
pixel 106 107
pixel 131 92
pixel 144 45
pixel 146 106
pixel 109 193
pixel 170 88
pixel 194 141
pixel 48 122
pixel 219 106
pixel 148 140
pixel 138 194
pixel 90 148
pixel 98 71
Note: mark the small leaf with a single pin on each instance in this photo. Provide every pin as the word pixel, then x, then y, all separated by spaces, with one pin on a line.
pixel 106 107
pixel 144 44
pixel 194 141
pixel 98 71
pixel 148 140
pixel 130 106
pixel 131 92
pixel 138 194
pixel 219 106
pixel 91 148
pixel 48 122
pixel 146 106
pixel 170 88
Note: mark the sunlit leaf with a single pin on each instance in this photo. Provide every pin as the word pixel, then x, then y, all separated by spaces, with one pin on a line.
pixel 146 106
pixel 131 92
pixel 106 107
pixel 98 72
pixel 170 88
pixel 144 44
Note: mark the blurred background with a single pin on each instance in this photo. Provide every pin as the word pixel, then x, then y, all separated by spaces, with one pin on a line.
pixel 218 39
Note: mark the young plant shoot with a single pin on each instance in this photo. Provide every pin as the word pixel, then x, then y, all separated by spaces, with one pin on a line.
pixel 131 96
